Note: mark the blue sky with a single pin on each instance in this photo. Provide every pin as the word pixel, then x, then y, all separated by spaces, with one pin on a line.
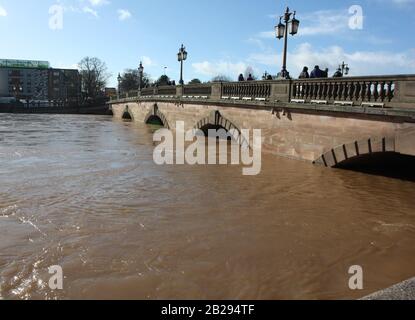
pixel 221 36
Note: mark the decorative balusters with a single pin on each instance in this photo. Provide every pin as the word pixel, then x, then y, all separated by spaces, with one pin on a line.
pixel 252 90
pixel 375 92
pixel 346 89
pixel 345 92
pixel 390 88
pixel 382 91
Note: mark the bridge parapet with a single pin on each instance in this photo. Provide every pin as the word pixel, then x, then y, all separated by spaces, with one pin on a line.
pixel 374 91
pixel 368 92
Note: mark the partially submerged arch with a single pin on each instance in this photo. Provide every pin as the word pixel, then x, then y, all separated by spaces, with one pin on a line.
pixel 216 121
pixel 155 116
pixel 127 114
pixel 358 149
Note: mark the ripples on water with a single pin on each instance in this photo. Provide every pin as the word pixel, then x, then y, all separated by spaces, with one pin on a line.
pixel 83 192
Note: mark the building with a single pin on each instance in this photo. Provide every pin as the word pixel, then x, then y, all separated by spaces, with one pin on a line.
pixel 110 92
pixel 37 81
pixel 64 85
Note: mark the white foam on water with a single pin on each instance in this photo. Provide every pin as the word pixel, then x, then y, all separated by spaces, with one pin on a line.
pixel 8 211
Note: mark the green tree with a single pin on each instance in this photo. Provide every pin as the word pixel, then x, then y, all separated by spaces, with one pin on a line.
pixel 163 81
pixel 130 80
pixel 195 81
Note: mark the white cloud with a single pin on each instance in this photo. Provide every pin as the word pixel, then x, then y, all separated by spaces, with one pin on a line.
pixel 3 12
pixel 98 3
pixel 90 11
pixel 322 22
pixel 212 69
pixel 360 62
pixel 124 14
pixel 148 62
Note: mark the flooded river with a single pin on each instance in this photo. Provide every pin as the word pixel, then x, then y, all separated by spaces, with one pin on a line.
pixel 83 193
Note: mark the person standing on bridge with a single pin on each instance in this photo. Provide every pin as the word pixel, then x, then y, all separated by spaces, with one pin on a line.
pixel 250 78
pixel 241 78
pixel 316 73
pixel 304 74
pixel 338 74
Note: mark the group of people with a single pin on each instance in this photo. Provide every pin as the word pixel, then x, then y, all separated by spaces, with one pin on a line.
pixel 241 78
pixel 315 73
pixel 318 73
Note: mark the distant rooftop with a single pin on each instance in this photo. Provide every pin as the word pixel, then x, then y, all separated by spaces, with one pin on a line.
pixel 11 63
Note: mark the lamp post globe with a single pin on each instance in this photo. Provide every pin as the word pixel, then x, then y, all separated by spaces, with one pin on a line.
pixel 140 76
pixel 288 25
pixel 181 57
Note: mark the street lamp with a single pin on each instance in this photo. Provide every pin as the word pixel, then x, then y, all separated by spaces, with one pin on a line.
pixel 290 25
pixel 140 76
pixel 119 85
pixel 181 57
pixel 344 68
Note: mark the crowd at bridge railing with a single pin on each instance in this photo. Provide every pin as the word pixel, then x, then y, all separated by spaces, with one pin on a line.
pixel 371 91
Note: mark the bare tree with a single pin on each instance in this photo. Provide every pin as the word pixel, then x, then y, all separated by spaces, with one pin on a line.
pixel 94 74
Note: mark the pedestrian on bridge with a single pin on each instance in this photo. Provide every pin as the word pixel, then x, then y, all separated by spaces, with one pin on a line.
pixel 304 74
pixel 317 73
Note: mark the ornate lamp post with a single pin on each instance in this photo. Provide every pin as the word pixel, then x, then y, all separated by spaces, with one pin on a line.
pixel 119 86
pixel 181 57
pixel 140 77
pixel 344 68
pixel 290 25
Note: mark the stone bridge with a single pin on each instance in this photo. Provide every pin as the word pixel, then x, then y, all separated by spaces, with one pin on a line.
pixel 324 121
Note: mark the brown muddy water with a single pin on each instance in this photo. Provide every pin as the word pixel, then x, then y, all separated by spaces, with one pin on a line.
pixel 84 193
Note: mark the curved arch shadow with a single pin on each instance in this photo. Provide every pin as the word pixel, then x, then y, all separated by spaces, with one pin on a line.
pixel 155 116
pixel 387 164
pixel 127 115
pixel 216 121
pixel 375 156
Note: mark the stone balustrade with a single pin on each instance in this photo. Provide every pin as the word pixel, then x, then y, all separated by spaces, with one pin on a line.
pixel 372 91
pixel 386 91
pixel 198 90
pixel 255 89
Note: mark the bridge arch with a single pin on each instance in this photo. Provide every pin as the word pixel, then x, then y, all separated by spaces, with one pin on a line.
pixel 156 114
pixel 345 153
pixel 127 114
pixel 216 121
